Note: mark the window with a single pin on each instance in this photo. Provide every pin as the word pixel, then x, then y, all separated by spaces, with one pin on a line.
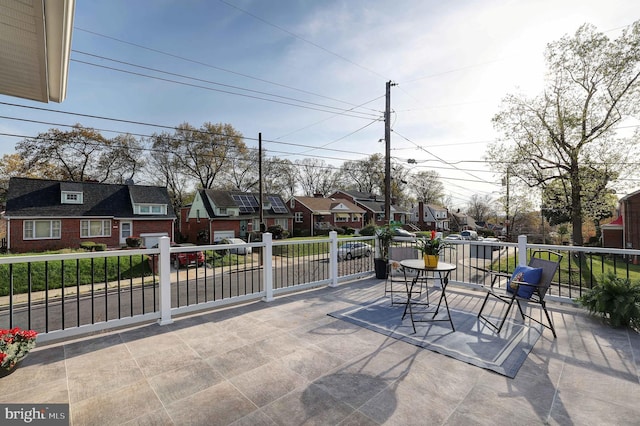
pixel 284 223
pixel 223 210
pixel 71 197
pixel 151 209
pixel 299 216
pixel 41 229
pixel 95 228
pixel 342 217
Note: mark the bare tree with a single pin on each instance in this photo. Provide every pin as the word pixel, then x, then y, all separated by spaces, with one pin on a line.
pixel 315 177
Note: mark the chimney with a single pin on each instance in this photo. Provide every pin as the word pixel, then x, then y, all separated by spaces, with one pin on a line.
pixel 317 195
pixel 420 212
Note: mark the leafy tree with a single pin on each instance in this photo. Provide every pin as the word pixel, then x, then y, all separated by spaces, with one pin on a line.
pixel 80 154
pixel 364 175
pixel 427 187
pixel 569 130
pixel 66 155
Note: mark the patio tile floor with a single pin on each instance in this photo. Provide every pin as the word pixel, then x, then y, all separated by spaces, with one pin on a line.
pixel 287 363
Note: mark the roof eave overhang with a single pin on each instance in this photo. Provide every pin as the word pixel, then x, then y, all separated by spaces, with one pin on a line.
pixel 36 48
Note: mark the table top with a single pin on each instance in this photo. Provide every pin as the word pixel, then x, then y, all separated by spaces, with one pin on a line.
pixel 419 264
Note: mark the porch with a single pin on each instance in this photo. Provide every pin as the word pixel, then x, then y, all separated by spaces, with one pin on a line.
pixel 288 362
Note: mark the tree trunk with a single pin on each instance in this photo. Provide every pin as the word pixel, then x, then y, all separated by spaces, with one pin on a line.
pixel 576 205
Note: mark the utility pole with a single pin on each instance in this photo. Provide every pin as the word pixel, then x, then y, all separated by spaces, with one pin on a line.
pixel 262 227
pixel 387 157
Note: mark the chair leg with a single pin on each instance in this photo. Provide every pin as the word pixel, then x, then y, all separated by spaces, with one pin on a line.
pixel 543 306
pixel 496 326
pixel 551 327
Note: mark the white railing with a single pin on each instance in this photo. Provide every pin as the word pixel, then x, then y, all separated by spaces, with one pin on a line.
pixel 62 309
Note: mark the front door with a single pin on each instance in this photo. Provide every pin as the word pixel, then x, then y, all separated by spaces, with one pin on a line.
pixel 243 229
pixel 125 231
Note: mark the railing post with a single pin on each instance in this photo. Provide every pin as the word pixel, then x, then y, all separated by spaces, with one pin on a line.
pixel 164 264
pixel 267 266
pixel 522 250
pixel 333 258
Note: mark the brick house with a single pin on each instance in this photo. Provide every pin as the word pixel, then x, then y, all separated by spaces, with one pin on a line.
pixel 624 231
pixel 373 206
pixel 217 214
pixel 315 213
pixel 51 215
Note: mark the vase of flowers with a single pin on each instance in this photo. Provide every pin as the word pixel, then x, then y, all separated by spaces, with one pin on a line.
pixel 15 344
pixel 431 248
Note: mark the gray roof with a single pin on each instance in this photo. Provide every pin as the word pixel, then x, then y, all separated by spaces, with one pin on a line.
pixel 224 198
pixel 42 198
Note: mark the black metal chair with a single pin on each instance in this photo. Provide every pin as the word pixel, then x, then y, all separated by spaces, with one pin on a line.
pixel 549 268
pixel 396 274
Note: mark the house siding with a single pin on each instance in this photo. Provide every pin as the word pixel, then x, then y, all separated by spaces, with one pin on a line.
pixel 70 234
pixel 631 220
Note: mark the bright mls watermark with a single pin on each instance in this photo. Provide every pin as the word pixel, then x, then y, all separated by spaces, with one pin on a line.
pixel 37 414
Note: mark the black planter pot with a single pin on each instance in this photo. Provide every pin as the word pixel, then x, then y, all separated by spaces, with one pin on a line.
pixel 380 266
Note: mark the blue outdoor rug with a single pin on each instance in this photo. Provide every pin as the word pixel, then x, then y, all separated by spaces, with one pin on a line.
pixel 473 341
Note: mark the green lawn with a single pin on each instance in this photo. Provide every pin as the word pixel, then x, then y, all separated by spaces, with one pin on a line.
pixel 593 268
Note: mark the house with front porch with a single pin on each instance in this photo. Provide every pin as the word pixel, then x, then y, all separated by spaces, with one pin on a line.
pixel 314 214
pixel 217 214
pixel 373 206
pixel 50 215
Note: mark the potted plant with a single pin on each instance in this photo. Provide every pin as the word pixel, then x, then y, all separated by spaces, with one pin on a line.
pixel 431 249
pixel 616 299
pixel 15 344
pixel 384 235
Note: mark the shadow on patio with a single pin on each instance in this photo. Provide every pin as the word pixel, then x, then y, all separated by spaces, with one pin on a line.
pixel 288 362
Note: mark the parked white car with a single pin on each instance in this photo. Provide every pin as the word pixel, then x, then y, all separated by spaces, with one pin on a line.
pixel 349 251
pixel 245 250
pixel 400 234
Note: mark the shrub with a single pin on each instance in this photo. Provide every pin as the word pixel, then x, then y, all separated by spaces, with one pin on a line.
pixel 276 231
pixel 100 247
pixel 348 230
pixel 617 300
pixel 368 231
pixel 134 241
pixel 87 245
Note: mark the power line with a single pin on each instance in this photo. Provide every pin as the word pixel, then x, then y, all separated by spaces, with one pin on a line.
pixel 204 64
pixel 441 159
pixel 216 83
pixel 160 126
pixel 211 88
pixel 302 39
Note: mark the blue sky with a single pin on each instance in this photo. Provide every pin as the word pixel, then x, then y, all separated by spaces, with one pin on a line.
pixel 452 60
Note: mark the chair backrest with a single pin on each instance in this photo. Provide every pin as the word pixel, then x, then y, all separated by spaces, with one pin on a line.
pixel 549 268
pixel 402 253
pixel 396 254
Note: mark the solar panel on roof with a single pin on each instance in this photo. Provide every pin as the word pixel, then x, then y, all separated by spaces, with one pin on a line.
pixel 277 205
pixel 246 203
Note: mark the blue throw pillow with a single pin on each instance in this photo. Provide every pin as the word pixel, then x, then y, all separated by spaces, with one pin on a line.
pixel 525 274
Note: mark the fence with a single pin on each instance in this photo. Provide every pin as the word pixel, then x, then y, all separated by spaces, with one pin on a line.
pixel 64 295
